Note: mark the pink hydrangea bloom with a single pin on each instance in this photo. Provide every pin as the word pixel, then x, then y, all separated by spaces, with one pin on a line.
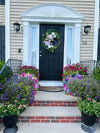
pixel 50 36
pixel 47 43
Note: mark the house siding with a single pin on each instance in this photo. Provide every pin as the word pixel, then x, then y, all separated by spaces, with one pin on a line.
pixel 2 15
pixel 85 7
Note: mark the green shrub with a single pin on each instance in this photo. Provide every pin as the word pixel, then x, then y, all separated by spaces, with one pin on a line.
pixel 96 73
pixel 6 73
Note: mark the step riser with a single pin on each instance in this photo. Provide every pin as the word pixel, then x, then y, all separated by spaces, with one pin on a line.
pixel 54 103
pixel 48 119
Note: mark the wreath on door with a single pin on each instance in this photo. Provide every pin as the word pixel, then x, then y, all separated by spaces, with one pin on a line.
pixel 48 38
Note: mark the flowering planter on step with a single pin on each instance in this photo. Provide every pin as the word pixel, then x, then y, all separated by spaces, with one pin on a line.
pixel 88 120
pixel 10 121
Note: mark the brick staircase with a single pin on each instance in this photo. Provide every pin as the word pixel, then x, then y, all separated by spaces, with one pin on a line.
pixel 52 108
pixel 51 112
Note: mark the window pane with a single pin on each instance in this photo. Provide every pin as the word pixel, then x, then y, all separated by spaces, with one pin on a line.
pixel 34 46
pixel 69 45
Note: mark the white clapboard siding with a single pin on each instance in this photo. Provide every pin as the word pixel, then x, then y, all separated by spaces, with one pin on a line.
pixel 85 7
pixel 2 14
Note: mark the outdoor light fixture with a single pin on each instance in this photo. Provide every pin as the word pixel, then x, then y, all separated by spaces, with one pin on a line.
pixel 17 27
pixel 87 29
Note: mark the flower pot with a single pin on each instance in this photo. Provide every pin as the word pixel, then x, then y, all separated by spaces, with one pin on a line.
pixel 10 121
pixel 88 120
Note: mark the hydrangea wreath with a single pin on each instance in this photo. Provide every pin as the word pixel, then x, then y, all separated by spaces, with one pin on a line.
pixel 48 38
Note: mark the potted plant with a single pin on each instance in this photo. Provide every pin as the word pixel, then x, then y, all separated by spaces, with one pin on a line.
pixel 74 69
pixel 90 109
pixel 87 90
pixel 17 94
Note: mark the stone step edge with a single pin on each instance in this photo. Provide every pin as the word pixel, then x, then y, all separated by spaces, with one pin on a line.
pixel 50 119
pixel 55 103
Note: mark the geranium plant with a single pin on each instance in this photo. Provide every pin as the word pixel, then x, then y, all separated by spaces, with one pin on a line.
pixel 73 70
pixel 29 69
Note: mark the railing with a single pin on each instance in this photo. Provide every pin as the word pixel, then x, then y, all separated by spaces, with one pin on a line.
pixel 13 64
pixel 90 64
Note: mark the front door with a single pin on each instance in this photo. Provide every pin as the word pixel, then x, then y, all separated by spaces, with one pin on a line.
pixel 51 64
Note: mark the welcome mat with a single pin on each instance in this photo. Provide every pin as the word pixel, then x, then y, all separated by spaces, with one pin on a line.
pixel 51 88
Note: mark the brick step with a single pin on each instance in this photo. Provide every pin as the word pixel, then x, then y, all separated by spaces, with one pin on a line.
pixel 49 119
pixel 55 103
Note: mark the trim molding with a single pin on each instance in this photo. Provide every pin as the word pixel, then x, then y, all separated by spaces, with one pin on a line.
pixel 7 30
pixel 96 25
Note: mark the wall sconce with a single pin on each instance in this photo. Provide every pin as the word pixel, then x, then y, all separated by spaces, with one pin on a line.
pixel 87 29
pixel 17 27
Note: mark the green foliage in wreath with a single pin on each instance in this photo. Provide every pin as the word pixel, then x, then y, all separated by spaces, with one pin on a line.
pixel 48 38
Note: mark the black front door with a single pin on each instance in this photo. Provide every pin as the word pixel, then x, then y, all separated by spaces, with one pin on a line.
pixel 51 64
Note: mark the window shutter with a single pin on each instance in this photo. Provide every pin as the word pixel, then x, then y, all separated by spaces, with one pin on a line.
pixel 2 43
pixel 2 2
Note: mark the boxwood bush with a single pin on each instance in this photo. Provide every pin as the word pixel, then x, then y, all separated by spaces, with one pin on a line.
pixel 6 73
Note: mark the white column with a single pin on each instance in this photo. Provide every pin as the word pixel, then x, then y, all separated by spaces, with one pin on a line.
pixel 26 35
pixel 7 30
pixel 77 34
pixel 96 21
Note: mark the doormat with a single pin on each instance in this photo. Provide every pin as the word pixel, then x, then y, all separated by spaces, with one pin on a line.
pixel 51 88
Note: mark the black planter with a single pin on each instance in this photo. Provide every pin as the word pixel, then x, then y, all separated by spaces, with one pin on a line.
pixel 88 120
pixel 10 121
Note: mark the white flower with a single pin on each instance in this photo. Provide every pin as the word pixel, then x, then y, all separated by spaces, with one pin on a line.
pixel 49 46
pixel 53 34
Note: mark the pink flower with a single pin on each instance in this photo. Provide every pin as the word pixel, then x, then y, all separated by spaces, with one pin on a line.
pixel 70 93
pixel 36 80
pixel 20 105
pixel 28 75
pixel 34 92
pixel 47 43
pixel 23 74
pixel 50 37
pixel 64 86
pixel 35 86
pixel 88 99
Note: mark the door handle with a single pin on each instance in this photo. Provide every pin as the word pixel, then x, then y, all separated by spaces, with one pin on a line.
pixel 40 55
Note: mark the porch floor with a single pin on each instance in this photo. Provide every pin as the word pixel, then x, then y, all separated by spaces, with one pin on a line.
pixel 51 128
